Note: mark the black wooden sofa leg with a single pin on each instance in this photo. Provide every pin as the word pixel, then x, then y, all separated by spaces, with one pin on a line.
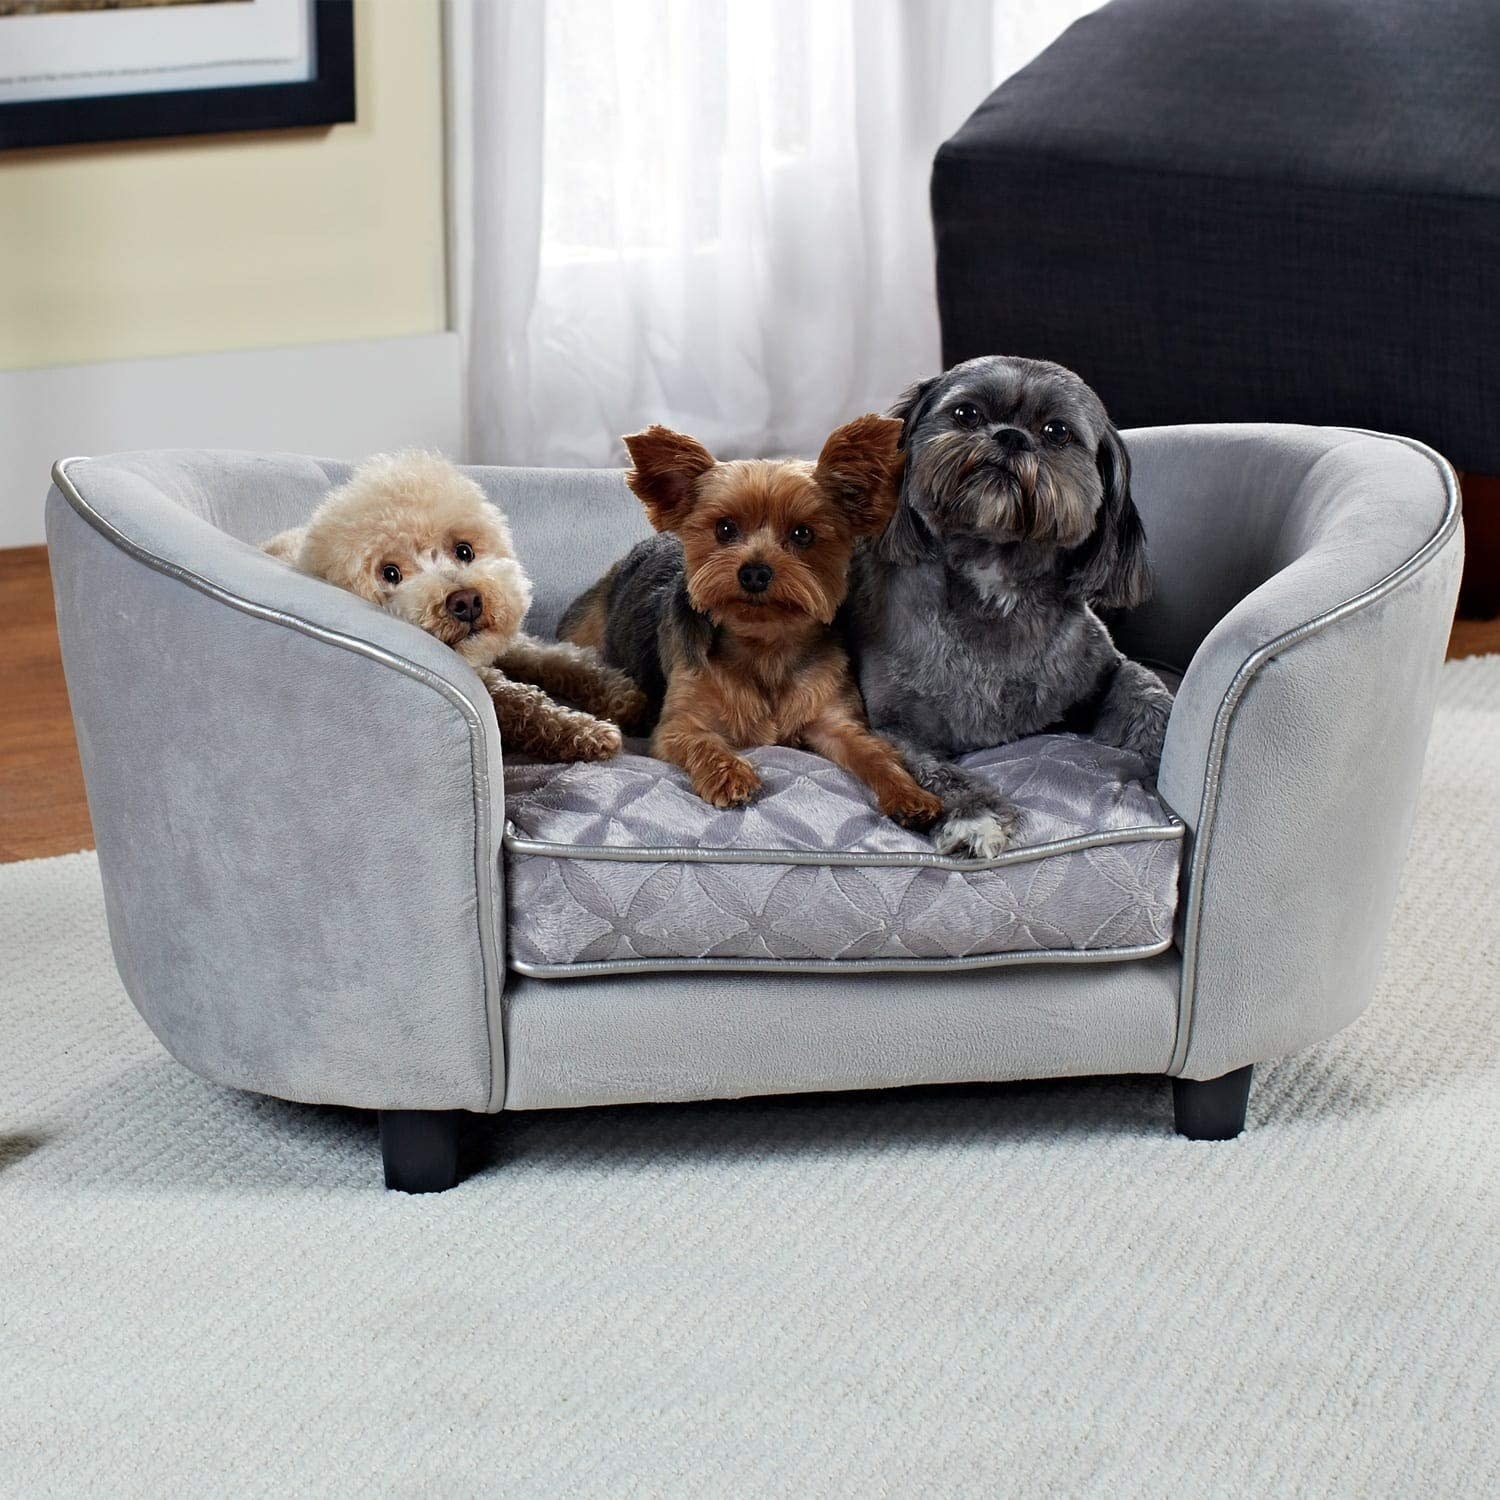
pixel 420 1147
pixel 1213 1110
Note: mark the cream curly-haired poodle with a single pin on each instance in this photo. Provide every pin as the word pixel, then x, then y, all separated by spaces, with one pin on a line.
pixel 409 532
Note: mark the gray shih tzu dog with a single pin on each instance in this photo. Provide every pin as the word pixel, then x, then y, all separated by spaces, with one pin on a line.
pixel 972 618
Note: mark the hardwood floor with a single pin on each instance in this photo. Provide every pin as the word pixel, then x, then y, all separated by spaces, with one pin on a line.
pixel 42 806
pixel 1474 638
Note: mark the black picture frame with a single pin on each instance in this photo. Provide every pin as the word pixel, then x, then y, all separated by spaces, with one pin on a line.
pixel 325 99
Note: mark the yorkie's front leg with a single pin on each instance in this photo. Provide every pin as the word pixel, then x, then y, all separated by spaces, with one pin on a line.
pixel 839 736
pixel 532 724
pixel 718 774
pixel 577 674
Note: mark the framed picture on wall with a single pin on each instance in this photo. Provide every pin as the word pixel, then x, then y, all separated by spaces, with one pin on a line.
pixel 73 71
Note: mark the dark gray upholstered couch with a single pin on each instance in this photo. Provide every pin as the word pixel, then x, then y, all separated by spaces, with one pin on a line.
pixel 1248 210
pixel 325 883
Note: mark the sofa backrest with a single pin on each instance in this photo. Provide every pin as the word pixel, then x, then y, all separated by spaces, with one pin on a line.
pixel 569 524
pixel 1263 498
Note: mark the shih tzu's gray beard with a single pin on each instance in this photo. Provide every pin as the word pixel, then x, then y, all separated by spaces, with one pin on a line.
pixel 1016 497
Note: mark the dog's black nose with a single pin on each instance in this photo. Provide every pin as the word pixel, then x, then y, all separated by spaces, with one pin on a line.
pixel 465 605
pixel 755 578
pixel 1013 439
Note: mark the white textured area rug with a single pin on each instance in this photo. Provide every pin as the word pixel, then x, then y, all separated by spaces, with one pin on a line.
pixel 1022 1290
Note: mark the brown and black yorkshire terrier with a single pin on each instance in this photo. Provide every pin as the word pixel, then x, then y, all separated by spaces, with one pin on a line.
pixel 413 534
pixel 726 619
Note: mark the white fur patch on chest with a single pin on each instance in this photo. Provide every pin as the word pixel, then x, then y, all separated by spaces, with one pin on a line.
pixel 993 583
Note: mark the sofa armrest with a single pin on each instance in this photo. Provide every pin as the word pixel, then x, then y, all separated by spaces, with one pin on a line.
pixel 297 802
pixel 1295 749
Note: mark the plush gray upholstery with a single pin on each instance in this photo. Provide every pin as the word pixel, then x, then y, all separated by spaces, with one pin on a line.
pixel 298 799
pixel 643 1037
pixel 622 866
pixel 260 794
pixel 1310 605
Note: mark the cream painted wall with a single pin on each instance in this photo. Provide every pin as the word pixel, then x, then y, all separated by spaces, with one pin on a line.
pixel 238 242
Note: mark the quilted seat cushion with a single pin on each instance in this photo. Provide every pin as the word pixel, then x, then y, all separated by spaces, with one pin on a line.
pixel 619 866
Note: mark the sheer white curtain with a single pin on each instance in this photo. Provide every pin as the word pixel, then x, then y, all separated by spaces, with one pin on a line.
pixel 710 213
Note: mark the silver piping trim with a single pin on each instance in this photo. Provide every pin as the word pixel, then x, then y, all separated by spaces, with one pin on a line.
pixel 1235 692
pixel 592 970
pixel 483 874
pixel 515 843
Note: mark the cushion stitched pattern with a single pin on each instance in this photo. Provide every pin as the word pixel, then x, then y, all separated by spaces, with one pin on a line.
pixel 620 864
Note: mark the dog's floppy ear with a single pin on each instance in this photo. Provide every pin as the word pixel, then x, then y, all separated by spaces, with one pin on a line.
pixel 668 466
pixel 906 540
pixel 287 545
pixel 1112 565
pixel 859 469
pixel 912 405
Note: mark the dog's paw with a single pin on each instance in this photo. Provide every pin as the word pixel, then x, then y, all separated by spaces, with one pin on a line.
pixel 728 783
pixel 916 809
pixel 982 835
pixel 626 705
pixel 595 740
pixel 1151 733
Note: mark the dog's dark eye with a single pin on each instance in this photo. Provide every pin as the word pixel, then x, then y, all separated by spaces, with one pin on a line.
pixel 1057 432
pixel 391 573
pixel 966 414
pixel 802 536
pixel 726 530
pixel 463 552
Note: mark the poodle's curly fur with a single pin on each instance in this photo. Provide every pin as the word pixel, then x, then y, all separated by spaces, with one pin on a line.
pixel 408 531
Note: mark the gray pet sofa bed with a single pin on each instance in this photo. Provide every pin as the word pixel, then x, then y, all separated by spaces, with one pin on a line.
pixel 325 883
